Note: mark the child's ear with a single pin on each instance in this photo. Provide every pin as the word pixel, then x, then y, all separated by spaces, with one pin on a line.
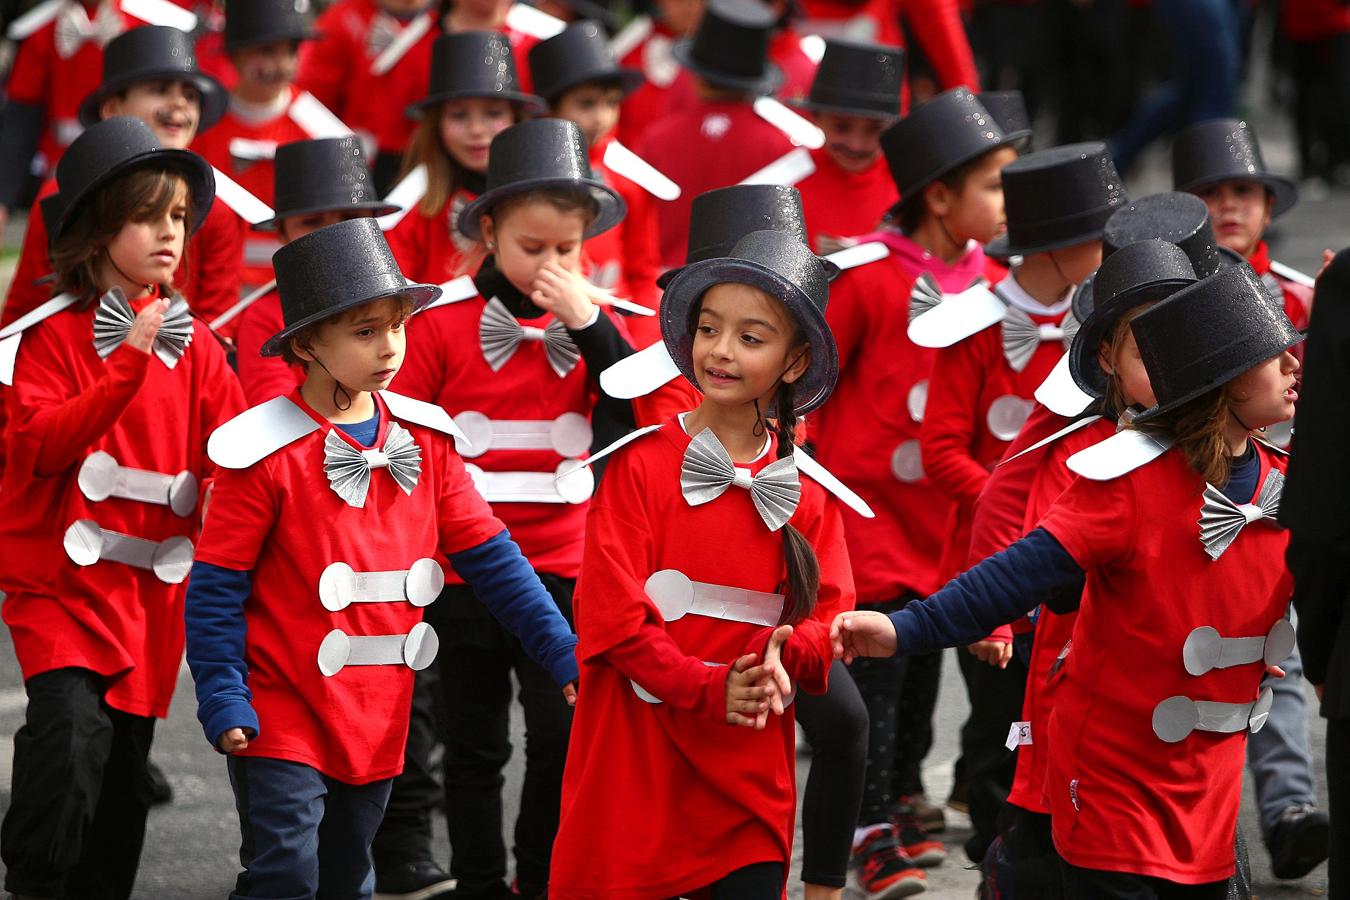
pixel 111 106
pixel 301 350
pixel 938 197
pixel 1104 359
pixel 801 361
pixel 488 229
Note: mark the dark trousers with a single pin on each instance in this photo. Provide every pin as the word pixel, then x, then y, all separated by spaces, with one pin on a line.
pixel 1095 884
pixel 405 834
pixel 880 681
pixel 303 834
pixel 1022 862
pixel 476 660
pixel 1338 796
pixel 81 792
pixel 995 703
pixel 836 728
pixel 914 722
pixel 760 881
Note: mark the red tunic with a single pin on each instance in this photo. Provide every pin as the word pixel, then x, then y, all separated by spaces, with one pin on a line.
pixel 1314 20
pixel 1120 798
pixel 263 377
pixel 662 799
pixel 844 204
pixel 625 258
pixel 351 726
pixel 664 80
pixel 785 51
pixel 430 249
pixel 1297 298
pixel 709 145
pixel 66 403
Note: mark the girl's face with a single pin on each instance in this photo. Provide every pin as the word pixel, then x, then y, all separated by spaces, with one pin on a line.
pixel 1265 395
pixel 172 109
pixel 529 236
pixel 745 342
pixel 468 127
pixel 853 142
pixel 1127 367
pixel 1240 212
pixel 974 211
pixel 1076 263
pixel 148 252
pixel 594 107
pixel 682 16
pixel 363 349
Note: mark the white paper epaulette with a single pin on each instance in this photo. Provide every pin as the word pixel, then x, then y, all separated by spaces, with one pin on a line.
pixel 1118 455
pixel 957 317
pixel 1289 273
pixel 12 334
pixel 823 477
pixel 405 195
pixel 419 412
pixel 1273 448
pixel 859 255
pixel 1047 441
pixel 622 442
pixel 1060 394
pixel 456 290
pixel 33 21
pixel 161 12
pixel 259 432
pixel 317 120
pixel 631 36
pixel 640 374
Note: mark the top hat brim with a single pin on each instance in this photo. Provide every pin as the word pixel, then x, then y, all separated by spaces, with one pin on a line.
pixel 1285 191
pixel 1002 246
pixel 695 279
pixel 628 79
pixel 201 180
pixel 842 110
pixel 767 83
pixel 610 207
pixel 420 294
pixel 534 105
pixel 832 271
pixel 214 98
pixel 376 208
pixel 303 33
pixel 1083 367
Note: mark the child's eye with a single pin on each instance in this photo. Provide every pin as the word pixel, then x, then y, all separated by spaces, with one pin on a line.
pixel 751 339
pixel 706 330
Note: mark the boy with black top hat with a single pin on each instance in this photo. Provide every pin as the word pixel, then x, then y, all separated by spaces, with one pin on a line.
pixel 647 44
pixel 718 140
pixel 309 698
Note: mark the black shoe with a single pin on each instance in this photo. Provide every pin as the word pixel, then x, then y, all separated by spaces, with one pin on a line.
pixel 413 881
pixel 1299 842
pixel 161 792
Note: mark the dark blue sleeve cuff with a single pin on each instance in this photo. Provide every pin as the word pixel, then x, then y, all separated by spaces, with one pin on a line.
pixel 214 616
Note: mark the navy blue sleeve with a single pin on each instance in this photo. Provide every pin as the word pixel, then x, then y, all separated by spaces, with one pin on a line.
pixel 996 592
pixel 503 581
pixel 215 649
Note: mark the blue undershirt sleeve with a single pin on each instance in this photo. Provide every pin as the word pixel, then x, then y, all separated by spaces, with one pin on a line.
pixel 215 649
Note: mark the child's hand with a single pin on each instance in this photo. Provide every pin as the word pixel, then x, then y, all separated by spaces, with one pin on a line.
pixel 570 693
pixel 995 653
pixel 564 293
pixel 147 325
pixel 773 666
pixel 232 741
pixel 862 633
pixel 747 693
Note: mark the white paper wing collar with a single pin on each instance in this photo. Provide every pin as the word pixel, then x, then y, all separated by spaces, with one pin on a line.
pixel 1060 394
pixel 622 442
pixel 957 317
pixel 640 374
pixel 259 432
pixel 1121 453
pixel 428 415
pixel 823 477
pixel 12 334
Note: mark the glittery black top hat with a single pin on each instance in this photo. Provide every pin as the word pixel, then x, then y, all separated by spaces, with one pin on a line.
pixel 154 53
pixel 857 80
pixel 1205 335
pixel 334 269
pixel 473 64
pixel 936 137
pixel 116 146
pixel 721 217
pixel 1058 198
pixel 251 23
pixel 1207 153
pixel 1142 272
pixel 783 267
pixel 323 175
pixel 731 47
pixel 579 54
pixel 1009 109
pixel 536 155
pixel 1181 219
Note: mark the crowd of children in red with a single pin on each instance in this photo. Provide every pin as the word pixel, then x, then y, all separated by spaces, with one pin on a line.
pixel 742 385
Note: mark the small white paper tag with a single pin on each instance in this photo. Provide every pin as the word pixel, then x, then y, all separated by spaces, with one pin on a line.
pixel 1018 735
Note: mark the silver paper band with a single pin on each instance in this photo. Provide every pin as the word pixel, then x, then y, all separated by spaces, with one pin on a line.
pixel 569 435
pixel 1007 415
pixel 101 477
pixel 907 462
pixel 1205 649
pixel 1176 717
pixel 676 596
pixel 86 543
pixel 340 586
pixel 570 482
pixel 916 401
pixel 416 649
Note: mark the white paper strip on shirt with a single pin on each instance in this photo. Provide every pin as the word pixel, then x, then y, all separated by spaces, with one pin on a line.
pixel 317 120
pixel 631 36
pixel 399 46
pixel 859 254
pixel 33 21
pixel 251 150
pixel 455 290
pixel 813 47
pixel 161 12
pixel 625 162
pixel 786 170
pixel 405 195
pixel 1292 274
pixel 800 130
pixel 535 22
pixel 639 374
pixel 246 206
pixel 249 299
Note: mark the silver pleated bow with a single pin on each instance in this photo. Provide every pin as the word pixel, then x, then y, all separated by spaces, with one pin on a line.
pixel 500 335
pixel 1021 335
pixel 348 469
pixel 1221 520
pixel 708 471
pixel 114 318
pixel 925 295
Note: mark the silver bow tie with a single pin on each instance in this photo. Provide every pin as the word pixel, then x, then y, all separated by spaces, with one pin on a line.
pixel 925 295
pixel 348 469
pixel 456 206
pixel 1273 288
pixel 114 318
pixel 708 471
pixel 500 335
pixel 381 33
pixel 1221 519
pixel 1021 336
pixel 74 28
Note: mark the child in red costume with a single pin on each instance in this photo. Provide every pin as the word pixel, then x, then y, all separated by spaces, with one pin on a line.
pixel 115 391
pixel 647 44
pixel 471 96
pixel 323 542
pixel 684 694
pixel 1143 789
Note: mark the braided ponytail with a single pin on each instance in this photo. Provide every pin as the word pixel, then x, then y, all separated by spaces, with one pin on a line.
pixel 803 569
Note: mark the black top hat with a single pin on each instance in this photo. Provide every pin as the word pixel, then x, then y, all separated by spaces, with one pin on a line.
pixel 51 208
pixel 731 47
pixel 539 154
pixel 473 64
pixel 1138 273
pixel 1058 198
pixel 329 271
pixel 936 137
pixel 1009 109
pixel 322 175
pixel 857 80
pixel 1181 219
pixel 1205 335
pixel 785 268
pixel 1225 150
pixel 249 23
pixel 579 54
pixel 116 146
pixel 154 53
pixel 721 217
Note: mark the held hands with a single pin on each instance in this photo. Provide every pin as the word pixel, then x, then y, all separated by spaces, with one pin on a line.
pixel 995 653
pixel 862 633
pixel 570 693
pixel 232 741
pixel 147 325
pixel 753 691
pixel 564 293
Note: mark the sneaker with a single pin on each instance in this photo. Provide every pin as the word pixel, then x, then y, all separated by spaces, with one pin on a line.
pixel 161 792
pixel 931 817
pixel 922 849
pixel 1299 842
pixel 413 881
pixel 884 871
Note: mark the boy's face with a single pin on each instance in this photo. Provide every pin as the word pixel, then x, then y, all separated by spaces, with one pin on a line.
pixel 529 236
pixel 682 16
pixel 266 68
pixel 1240 213
pixel 295 227
pixel 363 348
pixel 468 126
pixel 148 252
pixel 974 209
pixel 172 109
pixel 594 107
pixel 853 142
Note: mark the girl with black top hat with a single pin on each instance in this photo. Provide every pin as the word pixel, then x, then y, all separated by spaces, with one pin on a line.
pixel 646 44
pixel 1153 700
pixel 472 96
pixel 686 696
pixel 115 390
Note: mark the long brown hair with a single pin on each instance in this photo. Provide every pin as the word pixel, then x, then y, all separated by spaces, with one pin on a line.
pixel 445 175
pixel 803 568
pixel 1115 400
pixel 1197 429
pixel 139 196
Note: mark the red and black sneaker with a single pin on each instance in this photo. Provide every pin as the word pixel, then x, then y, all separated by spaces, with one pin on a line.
pixel 924 850
pixel 884 870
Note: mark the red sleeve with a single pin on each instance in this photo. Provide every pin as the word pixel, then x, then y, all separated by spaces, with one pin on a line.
pixel 216 265
pixel 641 253
pixel 948 431
pixel 653 659
pixel 466 520
pixel 1095 521
pixel 807 655
pixel 34 262
pixel 245 506
pixel 846 314
pixel 30 79
pixel 218 394
pixel 324 61
pixel 67 428
pixel 1001 508
pixel 262 377
pixel 937 26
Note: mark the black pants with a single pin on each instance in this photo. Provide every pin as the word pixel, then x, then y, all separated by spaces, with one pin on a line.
pixel 81 792
pixel 405 834
pixel 881 682
pixel 1023 861
pixel 1095 884
pixel 836 727
pixel 760 881
pixel 1338 797
pixel 995 703
pixel 914 722
pixel 477 657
